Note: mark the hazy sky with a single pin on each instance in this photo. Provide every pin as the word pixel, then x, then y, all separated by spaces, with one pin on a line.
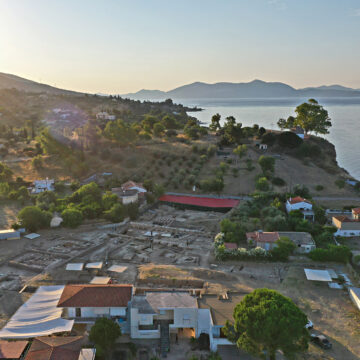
pixel 119 46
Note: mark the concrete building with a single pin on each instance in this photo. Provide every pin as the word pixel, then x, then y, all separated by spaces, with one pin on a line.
pixel 9 234
pixel 86 303
pixel 299 203
pixel 40 186
pixel 265 240
pixel 126 196
pixel 303 241
pixel 103 115
pixel 346 226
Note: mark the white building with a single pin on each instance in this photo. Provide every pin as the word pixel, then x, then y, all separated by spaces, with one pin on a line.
pixel 40 186
pixel 163 315
pixel 346 226
pixel 126 196
pixel 86 303
pixel 299 203
pixel 103 115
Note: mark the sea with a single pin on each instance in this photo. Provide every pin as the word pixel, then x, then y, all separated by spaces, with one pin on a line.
pixel 344 114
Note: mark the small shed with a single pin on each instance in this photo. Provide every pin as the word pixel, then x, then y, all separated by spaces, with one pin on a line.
pixel 75 266
pixel 117 268
pixel 94 265
pixel 317 275
pixel 9 235
pixel 100 280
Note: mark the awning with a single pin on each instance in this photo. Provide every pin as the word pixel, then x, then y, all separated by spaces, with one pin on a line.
pixel 39 316
pixel 32 236
pixel 75 267
pixel 94 265
pixel 117 268
pixel 317 275
pixel 100 280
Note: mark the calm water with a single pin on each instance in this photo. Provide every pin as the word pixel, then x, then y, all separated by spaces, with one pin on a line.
pixel 344 134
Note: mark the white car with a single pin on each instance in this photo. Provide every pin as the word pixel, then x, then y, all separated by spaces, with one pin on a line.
pixel 309 324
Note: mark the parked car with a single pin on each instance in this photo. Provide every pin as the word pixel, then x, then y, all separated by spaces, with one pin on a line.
pixel 321 340
pixel 309 325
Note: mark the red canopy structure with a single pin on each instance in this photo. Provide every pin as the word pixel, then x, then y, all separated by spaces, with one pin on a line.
pixel 204 202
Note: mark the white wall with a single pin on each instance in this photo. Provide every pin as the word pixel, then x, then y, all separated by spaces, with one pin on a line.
pixel 91 312
pixel 185 318
pixel 142 319
pixel 347 233
pixel 298 206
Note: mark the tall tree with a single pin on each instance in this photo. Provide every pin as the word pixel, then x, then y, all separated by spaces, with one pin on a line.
pixel 311 116
pixel 215 122
pixel 266 321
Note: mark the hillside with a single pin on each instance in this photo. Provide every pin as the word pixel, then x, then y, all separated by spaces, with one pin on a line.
pixel 254 89
pixel 9 81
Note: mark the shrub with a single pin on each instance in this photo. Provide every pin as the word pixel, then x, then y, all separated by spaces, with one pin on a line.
pixel 33 218
pixel 267 163
pixel 262 184
pixel 268 139
pixel 278 181
pixel 340 183
pixel 319 187
pixel 335 253
pixel 289 139
pixel 284 248
pixel 71 217
pixel 117 213
pixel 37 162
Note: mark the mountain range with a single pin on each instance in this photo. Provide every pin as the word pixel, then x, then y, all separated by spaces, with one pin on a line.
pixel 251 90
pixel 200 90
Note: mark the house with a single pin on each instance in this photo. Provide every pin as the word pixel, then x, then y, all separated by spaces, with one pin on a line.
pixel 126 196
pixel 299 203
pixel 58 348
pixel 346 226
pixel 299 131
pixel 265 240
pixel 103 115
pixel 356 213
pixel 40 186
pixel 131 185
pixel 9 234
pixel 157 315
pixel 213 313
pixel 86 303
pixel 303 241
pixel 354 294
pixel 12 350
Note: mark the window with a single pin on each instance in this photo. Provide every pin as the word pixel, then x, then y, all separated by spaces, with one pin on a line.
pixel 162 312
pixel 78 312
pixel 186 318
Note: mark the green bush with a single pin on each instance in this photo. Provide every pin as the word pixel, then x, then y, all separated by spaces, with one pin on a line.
pixel 340 183
pixel 117 213
pixel 33 218
pixel 278 181
pixel 335 253
pixel 289 139
pixel 72 217
pixel 319 187
pixel 262 184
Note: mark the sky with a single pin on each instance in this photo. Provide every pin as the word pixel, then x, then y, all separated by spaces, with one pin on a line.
pixel 122 46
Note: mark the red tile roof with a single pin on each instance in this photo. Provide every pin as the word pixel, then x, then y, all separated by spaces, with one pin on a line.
pixel 12 349
pixel 298 199
pixel 91 295
pixel 230 246
pixel 356 211
pixel 200 201
pixel 263 236
pixel 130 184
pixel 343 218
pixel 55 348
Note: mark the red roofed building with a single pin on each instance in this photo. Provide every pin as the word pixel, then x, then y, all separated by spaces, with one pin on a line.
pixel 230 246
pixel 56 348
pixel 85 303
pixel 301 204
pixel 12 349
pixel 265 240
pixel 356 213
pixel 346 226
pixel 200 202
pixel 131 185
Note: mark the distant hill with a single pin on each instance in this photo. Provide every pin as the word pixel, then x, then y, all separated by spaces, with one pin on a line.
pixel 253 89
pixel 8 81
